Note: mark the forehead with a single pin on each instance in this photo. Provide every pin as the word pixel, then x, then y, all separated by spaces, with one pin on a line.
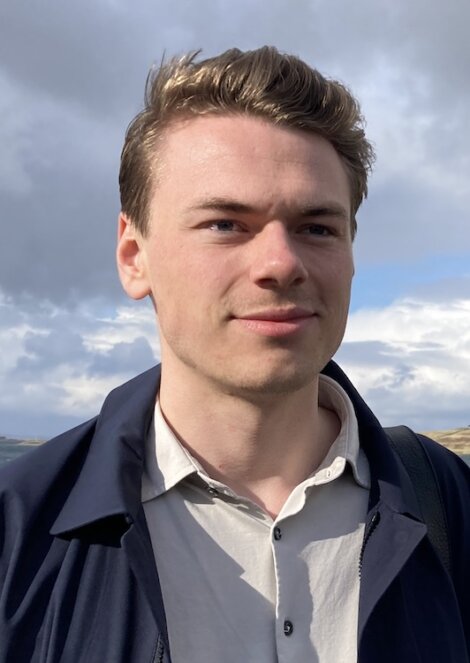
pixel 248 155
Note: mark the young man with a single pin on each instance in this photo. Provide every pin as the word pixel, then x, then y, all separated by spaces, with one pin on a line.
pixel 240 502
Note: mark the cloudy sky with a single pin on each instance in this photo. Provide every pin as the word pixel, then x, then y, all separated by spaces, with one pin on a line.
pixel 71 78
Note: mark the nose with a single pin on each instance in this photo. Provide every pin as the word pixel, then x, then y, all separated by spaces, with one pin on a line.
pixel 276 262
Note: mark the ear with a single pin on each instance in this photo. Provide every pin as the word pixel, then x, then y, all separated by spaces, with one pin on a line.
pixel 130 257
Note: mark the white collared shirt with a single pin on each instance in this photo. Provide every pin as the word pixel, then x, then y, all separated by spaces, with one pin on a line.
pixel 238 586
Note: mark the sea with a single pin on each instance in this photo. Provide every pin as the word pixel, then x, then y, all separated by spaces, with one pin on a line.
pixel 11 449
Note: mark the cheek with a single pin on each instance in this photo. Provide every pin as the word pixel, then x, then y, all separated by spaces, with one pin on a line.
pixel 344 270
pixel 181 285
pixel 337 293
pixel 336 277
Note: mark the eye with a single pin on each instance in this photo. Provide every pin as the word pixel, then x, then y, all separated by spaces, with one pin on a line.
pixel 224 226
pixel 316 229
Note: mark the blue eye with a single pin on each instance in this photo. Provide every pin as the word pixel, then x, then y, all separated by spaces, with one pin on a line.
pixel 316 229
pixel 223 226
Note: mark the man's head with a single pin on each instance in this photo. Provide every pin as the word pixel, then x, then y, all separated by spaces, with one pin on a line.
pixel 264 83
pixel 239 183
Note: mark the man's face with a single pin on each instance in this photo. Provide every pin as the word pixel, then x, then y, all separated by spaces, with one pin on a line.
pixel 248 256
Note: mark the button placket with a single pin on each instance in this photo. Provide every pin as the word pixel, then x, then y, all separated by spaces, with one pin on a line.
pixel 284 625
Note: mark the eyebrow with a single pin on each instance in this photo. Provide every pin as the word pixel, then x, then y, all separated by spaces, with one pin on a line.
pixel 222 204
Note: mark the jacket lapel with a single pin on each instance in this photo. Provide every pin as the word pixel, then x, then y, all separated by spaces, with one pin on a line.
pixel 386 550
pixel 138 548
pixel 394 526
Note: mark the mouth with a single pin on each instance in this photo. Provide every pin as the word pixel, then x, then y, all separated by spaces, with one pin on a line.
pixel 277 322
pixel 278 315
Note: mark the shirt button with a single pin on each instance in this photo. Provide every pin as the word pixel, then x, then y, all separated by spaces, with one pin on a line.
pixel 213 491
pixel 277 533
pixel 288 627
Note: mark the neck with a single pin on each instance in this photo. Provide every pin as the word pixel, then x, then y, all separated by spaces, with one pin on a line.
pixel 261 448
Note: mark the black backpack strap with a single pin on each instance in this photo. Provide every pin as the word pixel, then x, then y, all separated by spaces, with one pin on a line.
pixel 411 452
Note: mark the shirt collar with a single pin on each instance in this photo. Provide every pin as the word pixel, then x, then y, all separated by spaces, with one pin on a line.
pixel 110 452
pixel 346 447
pixel 167 462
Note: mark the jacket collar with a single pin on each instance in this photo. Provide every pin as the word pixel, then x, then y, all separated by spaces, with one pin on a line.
pixel 109 483
pixel 390 483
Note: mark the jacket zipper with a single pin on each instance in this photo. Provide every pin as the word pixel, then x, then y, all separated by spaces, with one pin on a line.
pixel 374 521
pixel 159 652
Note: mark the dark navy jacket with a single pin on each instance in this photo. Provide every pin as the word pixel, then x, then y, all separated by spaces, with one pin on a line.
pixel 78 582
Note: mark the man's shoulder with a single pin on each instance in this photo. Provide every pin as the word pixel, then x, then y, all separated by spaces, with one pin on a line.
pixel 33 490
pixel 40 471
pixel 64 454
pixel 36 485
pixel 448 466
pixel 63 509
pixel 453 477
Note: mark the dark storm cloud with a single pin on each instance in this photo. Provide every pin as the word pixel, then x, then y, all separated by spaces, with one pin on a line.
pixel 63 232
pixel 79 53
pixel 404 220
pixel 71 77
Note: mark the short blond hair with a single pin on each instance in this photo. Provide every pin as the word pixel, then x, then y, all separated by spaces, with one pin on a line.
pixel 263 83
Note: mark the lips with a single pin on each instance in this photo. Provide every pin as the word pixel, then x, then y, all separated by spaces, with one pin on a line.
pixel 278 315
pixel 276 322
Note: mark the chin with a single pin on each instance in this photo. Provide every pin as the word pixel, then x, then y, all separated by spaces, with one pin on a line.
pixel 259 386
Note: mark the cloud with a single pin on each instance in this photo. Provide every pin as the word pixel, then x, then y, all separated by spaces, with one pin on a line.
pixel 405 221
pixel 62 362
pixel 411 361
pixel 444 290
pixel 71 78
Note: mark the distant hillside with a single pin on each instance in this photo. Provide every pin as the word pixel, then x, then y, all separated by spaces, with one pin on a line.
pixel 455 439
pixel 33 441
